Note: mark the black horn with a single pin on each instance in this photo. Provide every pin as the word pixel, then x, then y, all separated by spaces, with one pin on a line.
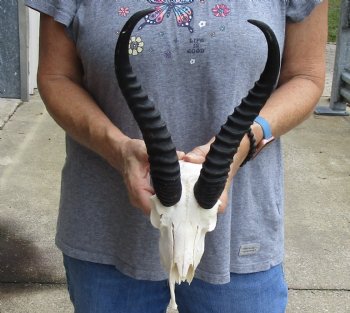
pixel 164 164
pixel 216 167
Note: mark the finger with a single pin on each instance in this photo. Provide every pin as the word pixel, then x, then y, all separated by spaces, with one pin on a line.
pixel 197 155
pixel 194 158
pixel 180 154
pixel 223 199
pixel 141 152
pixel 146 203
pixel 143 201
pixel 222 207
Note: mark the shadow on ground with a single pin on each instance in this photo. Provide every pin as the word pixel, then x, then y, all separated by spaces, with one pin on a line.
pixel 22 261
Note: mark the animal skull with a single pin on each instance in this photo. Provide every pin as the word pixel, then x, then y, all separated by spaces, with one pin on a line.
pixel 182 230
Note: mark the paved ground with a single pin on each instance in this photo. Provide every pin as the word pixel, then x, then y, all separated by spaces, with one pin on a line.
pixel 317 158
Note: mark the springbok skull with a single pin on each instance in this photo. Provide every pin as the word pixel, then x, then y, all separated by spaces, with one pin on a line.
pixel 182 230
pixel 186 199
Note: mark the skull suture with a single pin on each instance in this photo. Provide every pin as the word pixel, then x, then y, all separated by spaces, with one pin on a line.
pixel 182 229
pixel 185 206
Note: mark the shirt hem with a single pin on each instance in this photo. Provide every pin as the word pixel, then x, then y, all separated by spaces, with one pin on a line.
pixel 238 269
pixel 131 271
pixel 257 267
pixel 102 258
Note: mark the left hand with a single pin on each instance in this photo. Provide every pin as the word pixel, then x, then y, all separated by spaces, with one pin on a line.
pixel 197 155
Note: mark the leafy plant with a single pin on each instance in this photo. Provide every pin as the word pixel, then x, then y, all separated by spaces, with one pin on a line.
pixel 333 19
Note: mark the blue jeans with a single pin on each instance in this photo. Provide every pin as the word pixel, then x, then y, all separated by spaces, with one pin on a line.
pixel 97 288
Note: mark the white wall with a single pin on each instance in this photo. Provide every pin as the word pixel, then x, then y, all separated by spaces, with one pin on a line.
pixel 33 49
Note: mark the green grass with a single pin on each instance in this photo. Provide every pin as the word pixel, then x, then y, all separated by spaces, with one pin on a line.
pixel 333 19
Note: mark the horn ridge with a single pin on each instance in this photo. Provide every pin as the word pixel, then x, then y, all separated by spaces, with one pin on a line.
pixel 214 173
pixel 164 164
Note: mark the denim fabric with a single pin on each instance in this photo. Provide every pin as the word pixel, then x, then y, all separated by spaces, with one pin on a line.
pixel 261 292
pixel 98 288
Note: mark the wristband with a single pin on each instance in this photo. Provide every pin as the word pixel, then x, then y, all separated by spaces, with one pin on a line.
pixel 267 135
pixel 265 126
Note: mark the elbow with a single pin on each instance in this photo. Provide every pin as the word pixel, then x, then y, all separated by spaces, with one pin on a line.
pixel 306 87
pixel 315 86
pixel 318 81
pixel 311 73
pixel 311 83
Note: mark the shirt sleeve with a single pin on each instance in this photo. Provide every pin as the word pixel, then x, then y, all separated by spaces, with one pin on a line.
pixel 63 11
pixel 297 10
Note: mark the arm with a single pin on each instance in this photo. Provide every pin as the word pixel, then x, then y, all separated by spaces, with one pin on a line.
pixel 302 73
pixel 300 86
pixel 60 84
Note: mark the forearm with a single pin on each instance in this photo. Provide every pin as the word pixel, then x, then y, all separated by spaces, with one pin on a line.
pixel 287 107
pixel 302 73
pixel 291 104
pixel 79 115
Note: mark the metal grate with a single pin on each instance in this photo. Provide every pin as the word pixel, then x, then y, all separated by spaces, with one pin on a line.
pixel 340 95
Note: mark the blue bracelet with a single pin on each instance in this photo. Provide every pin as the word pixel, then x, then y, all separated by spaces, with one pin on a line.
pixel 265 126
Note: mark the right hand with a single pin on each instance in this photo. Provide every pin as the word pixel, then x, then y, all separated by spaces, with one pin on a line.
pixel 134 167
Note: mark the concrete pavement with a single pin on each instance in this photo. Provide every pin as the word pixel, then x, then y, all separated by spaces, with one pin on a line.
pixel 7 108
pixel 317 159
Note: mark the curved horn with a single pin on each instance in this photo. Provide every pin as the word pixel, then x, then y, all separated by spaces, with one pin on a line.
pixel 164 164
pixel 216 167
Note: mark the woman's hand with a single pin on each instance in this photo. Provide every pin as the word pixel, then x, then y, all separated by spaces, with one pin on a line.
pixel 134 167
pixel 198 155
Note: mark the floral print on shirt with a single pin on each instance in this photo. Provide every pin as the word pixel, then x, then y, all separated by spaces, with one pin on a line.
pixel 183 12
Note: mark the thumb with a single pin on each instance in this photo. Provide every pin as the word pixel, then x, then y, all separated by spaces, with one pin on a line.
pixel 197 155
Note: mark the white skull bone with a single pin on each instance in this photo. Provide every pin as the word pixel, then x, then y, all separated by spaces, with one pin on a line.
pixel 182 229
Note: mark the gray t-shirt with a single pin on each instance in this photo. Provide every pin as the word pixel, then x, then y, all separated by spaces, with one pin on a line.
pixel 196 63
